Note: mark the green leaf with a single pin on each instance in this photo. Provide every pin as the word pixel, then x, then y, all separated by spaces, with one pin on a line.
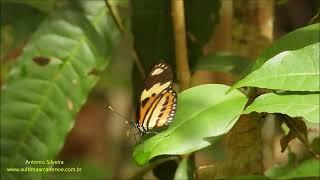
pixel 293 104
pixel 201 113
pixel 224 62
pixel 43 5
pixel 292 41
pixel 290 70
pixel 18 22
pixel 51 82
pixel 309 168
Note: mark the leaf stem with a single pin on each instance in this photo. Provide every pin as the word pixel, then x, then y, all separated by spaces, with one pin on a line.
pixel 117 18
pixel 181 52
pixel 145 169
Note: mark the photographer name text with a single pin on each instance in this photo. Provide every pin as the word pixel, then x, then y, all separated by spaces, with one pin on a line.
pixel 51 162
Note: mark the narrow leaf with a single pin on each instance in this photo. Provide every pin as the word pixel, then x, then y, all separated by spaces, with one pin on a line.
pixel 51 81
pixel 292 41
pixel 298 129
pixel 293 104
pixel 290 70
pixel 201 113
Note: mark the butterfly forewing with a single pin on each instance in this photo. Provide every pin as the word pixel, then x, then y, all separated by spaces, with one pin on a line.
pixel 158 99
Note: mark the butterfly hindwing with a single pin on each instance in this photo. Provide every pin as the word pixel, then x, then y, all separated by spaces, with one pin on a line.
pixel 164 111
pixel 158 99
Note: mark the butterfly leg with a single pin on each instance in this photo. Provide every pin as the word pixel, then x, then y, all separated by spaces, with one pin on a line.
pixel 135 134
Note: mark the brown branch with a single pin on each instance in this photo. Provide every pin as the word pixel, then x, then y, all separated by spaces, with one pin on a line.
pixel 117 18
pixel 181 52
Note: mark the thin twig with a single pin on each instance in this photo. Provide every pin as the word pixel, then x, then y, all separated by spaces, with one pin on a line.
pixel 117 18
pixel 181 52
pixel 315 18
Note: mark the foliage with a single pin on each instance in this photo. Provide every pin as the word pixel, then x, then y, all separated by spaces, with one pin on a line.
pixel 156 42
pixel 294 104
pixel 194 121
pixel 308 168
pixel 72 42
pixel 287 71
pixel 292 41
pixel 284 71
pixel 151 45
pixel 44 6
pixel 18 22
pixel 51 81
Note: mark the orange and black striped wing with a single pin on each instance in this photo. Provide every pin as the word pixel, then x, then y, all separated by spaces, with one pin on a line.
pixel 157 88
pixel 163 112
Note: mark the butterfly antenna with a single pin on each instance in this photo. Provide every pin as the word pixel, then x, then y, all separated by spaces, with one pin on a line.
pixel 121 115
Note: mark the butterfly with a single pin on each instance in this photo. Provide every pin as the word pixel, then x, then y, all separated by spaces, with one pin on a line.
pixel 158 100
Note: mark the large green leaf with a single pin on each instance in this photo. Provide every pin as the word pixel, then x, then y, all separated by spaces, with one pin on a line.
pixel 290 70
pixel 51 81
pixel 202 111
pixel 306 169
pixel 18 22
pixel 294 105
pixel 292 41
pixel 43 5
